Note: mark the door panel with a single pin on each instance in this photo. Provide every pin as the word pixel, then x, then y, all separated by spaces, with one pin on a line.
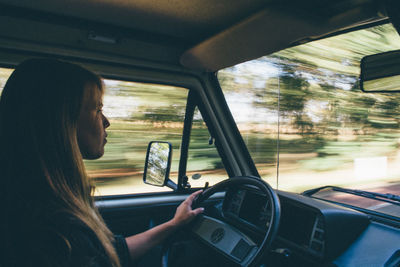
pixel 133 215
pixel 129 216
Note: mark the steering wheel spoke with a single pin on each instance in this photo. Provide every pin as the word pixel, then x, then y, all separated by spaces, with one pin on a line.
pixel 226 239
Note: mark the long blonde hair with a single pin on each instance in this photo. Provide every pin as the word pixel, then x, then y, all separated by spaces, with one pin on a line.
pixel 43 177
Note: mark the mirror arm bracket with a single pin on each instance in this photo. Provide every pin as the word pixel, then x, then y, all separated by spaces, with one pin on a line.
pixel 169 183
pixel 185 182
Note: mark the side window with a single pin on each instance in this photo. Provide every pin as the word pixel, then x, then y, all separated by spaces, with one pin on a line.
pixel 204 163
pixel 138 113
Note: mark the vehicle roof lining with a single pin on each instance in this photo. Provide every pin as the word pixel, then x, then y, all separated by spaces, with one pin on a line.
pixel 193 20
pixel 200 35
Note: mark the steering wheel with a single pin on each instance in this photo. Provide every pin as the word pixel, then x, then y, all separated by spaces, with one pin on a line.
pixel 224 237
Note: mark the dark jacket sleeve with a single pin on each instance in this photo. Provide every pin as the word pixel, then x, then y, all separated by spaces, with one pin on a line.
pixel 122 250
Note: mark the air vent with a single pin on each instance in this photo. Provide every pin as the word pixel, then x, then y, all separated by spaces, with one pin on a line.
pixel 317 242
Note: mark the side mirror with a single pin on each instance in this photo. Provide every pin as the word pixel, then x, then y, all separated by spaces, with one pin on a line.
pixel 158 164
pixel 381 73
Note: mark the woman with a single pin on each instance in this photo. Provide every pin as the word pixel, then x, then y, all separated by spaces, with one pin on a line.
pixel 50 120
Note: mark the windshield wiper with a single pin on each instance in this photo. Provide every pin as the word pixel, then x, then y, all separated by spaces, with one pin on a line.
pixel 390 198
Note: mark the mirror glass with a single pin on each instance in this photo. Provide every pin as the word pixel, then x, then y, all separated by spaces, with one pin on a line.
pixel 158 163
pixel 381 72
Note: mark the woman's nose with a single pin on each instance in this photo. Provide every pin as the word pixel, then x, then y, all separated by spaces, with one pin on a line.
pixel 106 122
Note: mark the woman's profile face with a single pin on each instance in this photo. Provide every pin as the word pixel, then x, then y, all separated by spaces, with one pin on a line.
pixel 92 124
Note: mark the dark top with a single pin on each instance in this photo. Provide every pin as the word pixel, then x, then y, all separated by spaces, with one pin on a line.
pixel 87 251
pixel 122 251
pixel 49 249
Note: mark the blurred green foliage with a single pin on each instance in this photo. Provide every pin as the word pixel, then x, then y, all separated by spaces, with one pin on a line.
pixel 321 108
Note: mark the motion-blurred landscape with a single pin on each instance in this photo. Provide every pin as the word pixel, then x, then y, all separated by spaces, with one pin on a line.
pixel 308 96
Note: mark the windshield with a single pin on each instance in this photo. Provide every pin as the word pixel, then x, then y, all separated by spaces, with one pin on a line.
pixel 307 124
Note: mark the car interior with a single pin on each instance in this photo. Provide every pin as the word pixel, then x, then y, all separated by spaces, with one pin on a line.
pixel 191 52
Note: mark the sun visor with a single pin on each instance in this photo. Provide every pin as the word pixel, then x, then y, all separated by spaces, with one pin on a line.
pixel 264 33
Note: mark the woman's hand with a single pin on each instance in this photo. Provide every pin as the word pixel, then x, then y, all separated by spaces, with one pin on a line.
pixel 184 213
pixel 141 243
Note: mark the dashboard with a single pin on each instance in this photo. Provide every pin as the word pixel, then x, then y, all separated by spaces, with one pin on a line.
pixel 312 229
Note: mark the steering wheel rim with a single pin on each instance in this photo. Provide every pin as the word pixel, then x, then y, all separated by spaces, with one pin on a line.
pixel 257 251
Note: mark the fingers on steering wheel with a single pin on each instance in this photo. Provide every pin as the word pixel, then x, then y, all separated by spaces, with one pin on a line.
pixel 198 211
pixel 193 196
pixel 191 199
